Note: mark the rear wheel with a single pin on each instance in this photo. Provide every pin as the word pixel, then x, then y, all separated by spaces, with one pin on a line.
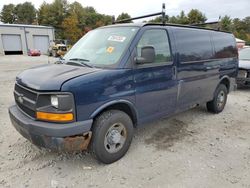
pixel 112 135
pixel 219 101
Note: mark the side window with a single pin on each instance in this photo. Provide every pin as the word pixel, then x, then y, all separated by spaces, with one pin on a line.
pixel 159 40
pixel 193 44
pixel 224 44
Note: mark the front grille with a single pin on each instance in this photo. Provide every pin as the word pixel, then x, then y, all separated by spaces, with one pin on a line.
pixel 25 100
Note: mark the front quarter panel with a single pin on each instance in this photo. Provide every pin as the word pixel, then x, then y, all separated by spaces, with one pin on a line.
pixel 95 90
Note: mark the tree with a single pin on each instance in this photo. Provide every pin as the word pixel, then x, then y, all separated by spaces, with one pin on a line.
pixel 195 16
pixel 123 16
pixel 77 9
pixel 182 18
pixel 53 14
pixel 60 11
pixel 25 13
pixel 246 20
pixel 94 19
pixel 70 27
pixel 226 23
pixel 173 20
pixel 8 14
pixel 158 19
pixel 44 13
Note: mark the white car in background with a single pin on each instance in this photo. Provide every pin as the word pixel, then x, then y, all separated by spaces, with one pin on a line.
pixel 243 78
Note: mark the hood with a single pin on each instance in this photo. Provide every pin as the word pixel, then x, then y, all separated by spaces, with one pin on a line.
pixel 245 64
pixel 51 76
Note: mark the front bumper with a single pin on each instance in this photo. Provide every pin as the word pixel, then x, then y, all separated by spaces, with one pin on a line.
pixel 66 137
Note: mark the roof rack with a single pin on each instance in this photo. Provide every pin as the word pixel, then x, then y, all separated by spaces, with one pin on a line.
pixel 162 13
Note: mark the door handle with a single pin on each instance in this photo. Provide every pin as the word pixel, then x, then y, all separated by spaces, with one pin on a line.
pixel 174 72
pixel 211 68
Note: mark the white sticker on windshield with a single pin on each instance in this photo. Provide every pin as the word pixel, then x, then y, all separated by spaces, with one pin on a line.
pixel 117 38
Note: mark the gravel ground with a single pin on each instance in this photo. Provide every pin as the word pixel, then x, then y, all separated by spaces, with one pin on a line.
pixel 191 149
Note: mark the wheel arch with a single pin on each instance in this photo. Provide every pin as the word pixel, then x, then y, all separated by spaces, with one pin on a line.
pixel 226 81
pixel 122 105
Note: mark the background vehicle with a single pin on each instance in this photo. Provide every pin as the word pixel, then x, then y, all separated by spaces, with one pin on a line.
pixel 34 52
pixel 243 78
pixel 119 77
pixel 58 48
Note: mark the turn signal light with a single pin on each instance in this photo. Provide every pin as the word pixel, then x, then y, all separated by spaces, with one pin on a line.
pixel 54 117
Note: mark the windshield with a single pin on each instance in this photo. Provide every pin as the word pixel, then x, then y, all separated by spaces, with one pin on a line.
pixel 244 54
pixel 102 47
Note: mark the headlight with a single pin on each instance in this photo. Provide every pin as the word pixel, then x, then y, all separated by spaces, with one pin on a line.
pixel 54 101
pixel 57 107
pixel 242 74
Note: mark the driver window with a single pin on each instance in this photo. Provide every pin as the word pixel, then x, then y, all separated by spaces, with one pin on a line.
pixel 159 40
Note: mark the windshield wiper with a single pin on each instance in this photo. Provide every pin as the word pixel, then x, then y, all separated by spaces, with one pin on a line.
pixel 81 61
pixel 74 63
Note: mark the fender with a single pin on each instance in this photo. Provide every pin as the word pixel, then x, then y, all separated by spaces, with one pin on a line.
pixel 226 77
pixel 110 103
pixel 223 77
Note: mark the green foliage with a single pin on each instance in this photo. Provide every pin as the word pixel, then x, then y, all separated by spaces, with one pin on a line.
pixel 25 13
pixel 71 29
pixel 8 14
pixel 182 18
pixel 59 13
pixel 158 19
pixel 53 15
pixel 226 23
pixel 123 16
pixel 240 28
pixel 196 16
pixel 72 20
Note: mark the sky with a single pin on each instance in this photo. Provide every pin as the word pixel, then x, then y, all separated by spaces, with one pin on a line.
pixel 212 8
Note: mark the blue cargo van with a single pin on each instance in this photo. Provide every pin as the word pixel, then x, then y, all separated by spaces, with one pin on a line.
pixel 119 77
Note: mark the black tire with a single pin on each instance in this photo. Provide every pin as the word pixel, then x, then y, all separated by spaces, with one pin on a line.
pixel 219 101
pixel 109 122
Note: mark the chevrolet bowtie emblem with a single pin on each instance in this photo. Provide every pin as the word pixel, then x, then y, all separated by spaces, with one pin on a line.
pixel 20 98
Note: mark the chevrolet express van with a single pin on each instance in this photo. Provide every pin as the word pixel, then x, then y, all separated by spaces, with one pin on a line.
pixel 119 77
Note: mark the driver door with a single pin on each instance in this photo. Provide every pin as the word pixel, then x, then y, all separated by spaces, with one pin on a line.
pixel 155 82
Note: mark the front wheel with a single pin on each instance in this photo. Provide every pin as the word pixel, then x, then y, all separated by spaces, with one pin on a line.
pixel 219 101
pixel 112 136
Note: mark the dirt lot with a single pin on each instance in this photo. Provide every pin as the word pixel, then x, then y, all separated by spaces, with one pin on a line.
pixel 191 149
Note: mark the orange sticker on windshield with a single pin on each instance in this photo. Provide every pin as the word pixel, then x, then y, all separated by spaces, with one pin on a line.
pixel 110 49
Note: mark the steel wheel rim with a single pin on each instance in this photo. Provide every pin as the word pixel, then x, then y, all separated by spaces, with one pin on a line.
pixel 221 99
pixel 115 138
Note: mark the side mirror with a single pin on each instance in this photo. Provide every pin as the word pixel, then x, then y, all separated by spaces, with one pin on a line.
pixel 147 55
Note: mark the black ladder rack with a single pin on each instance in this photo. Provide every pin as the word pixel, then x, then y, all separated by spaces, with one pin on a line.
pixel 163 19
pixel 162 13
